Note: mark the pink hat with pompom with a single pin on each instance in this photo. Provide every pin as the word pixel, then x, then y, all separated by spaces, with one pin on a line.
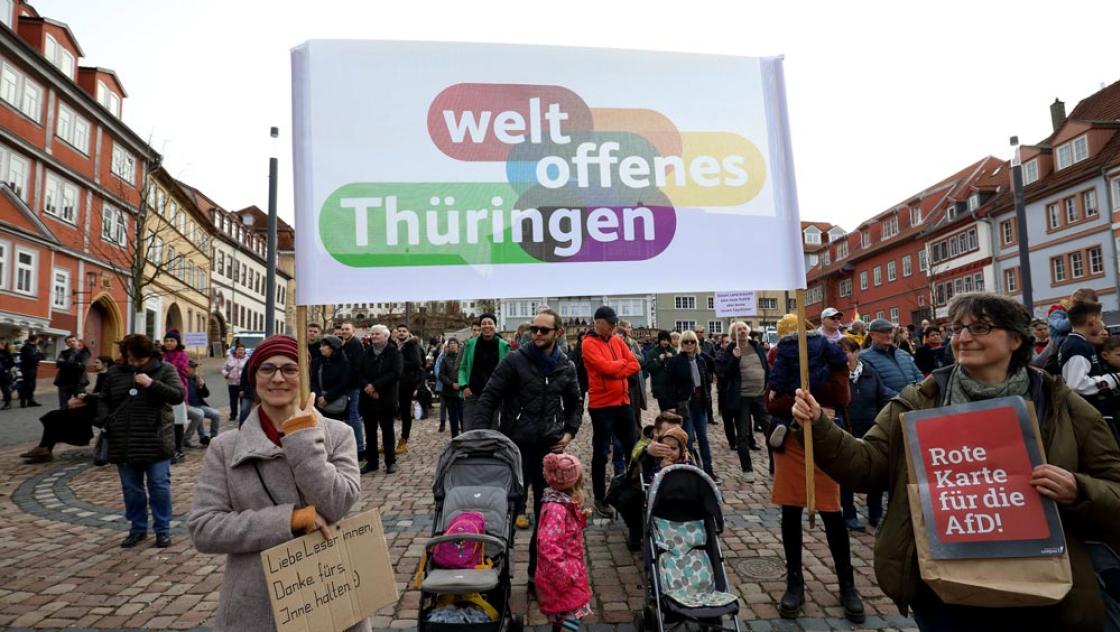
pixel 561 471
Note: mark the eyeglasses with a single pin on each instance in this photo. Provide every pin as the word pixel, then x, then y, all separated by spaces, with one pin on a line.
pixel 976 329
pixel 688 342
pixel 288 370
pixel 836 317
pixel 542 330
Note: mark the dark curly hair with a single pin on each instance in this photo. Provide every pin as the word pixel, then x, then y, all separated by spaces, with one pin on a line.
pixel 998 311
pixel 137 346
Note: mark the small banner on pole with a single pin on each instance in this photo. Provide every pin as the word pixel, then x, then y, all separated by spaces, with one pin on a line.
pixel 321 585
pixel 729 304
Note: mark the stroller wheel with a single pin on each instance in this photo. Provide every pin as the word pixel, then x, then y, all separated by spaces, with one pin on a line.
pixel 516 623
pixel 646 619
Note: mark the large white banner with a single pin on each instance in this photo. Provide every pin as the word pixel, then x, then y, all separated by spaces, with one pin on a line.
pixel 431 171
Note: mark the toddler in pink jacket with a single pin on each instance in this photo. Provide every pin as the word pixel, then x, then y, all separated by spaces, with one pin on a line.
pixel 561 579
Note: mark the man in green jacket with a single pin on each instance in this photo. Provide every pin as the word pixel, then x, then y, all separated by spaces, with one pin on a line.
pixel 480 357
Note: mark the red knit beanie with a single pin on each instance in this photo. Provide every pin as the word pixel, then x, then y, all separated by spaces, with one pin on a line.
pixel 272 346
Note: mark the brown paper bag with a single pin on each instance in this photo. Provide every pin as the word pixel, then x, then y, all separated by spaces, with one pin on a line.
pixel 986 582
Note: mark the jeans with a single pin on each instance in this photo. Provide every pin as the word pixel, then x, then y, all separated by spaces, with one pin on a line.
pixel 742 422
pixel 608 423
pixel 373 418
pixel 443 410
pixel 246 408
pixel 874 505
pixel 158 476
pixel 532 470
pixel 234 400
pixel 210 413
pixel 354 419
pixel 195 417
pixel 696 424
pixel 454 409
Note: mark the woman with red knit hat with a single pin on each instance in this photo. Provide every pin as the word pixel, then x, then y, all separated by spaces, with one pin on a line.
pixel 287 471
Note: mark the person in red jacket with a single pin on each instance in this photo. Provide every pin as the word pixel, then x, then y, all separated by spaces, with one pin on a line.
pixel 609 363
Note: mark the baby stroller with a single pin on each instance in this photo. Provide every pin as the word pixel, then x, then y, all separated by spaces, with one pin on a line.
pixel 685 577
pixel 479 471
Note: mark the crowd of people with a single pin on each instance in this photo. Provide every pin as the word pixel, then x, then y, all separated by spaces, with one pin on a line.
pixel 270 481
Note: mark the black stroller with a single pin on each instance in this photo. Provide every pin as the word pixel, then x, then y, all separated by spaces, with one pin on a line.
pixel 479 471
pixel 683 562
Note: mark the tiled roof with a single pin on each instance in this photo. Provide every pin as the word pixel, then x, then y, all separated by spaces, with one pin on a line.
pixel 1108 155
pixel 1103 105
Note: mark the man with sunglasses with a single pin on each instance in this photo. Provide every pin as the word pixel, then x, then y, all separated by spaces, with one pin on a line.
pixel 895 367
pixel 609 363
pixel 537 389
pixel 830 324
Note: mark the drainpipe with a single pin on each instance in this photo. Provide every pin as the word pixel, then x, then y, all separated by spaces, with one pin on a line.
pixel 1111 234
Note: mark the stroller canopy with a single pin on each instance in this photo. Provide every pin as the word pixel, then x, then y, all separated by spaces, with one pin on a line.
pixel 684 492
pixel 490 444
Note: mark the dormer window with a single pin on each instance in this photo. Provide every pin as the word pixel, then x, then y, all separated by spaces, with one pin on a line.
pixel 109 99
pixel 915 216
pixel 865 239
pixel 826 258
pixel 1074 151
pixel 841 250
pixel 974 201
pixel 1030 171
pixel 812 235
pixel 59 57
pixel 889 227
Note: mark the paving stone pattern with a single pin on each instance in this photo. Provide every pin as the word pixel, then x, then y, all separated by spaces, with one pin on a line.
pixel 61 567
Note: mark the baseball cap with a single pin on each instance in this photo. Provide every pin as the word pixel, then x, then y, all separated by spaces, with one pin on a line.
pixel 829 312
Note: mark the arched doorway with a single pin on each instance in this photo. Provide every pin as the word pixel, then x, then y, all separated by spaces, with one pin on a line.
pixel 216 335
pixel 174 319
pixel 103 327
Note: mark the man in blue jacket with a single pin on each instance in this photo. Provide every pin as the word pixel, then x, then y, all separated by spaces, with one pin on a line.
pixel 895 367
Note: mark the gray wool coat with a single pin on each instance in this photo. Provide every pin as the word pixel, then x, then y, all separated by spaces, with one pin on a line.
pixel 233 514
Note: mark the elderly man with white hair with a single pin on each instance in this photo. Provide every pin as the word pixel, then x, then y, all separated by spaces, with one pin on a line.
pixel 743 374
pixel 379 374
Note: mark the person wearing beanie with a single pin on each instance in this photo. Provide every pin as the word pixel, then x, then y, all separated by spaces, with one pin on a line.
pixel 481 355
pixel 676 439
pixel 287 471
pixel 175 355
pixel 330 378
pixel 656 364
pixel 560 580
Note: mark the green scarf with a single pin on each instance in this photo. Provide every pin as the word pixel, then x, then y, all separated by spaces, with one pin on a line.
pixel 963 389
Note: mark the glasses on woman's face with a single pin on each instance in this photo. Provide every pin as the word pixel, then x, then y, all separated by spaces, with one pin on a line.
pixel 688 342
pixel 976 329
pixel 289 371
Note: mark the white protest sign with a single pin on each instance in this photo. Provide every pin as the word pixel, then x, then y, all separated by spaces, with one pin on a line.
pixel 735 304
pixel 195 339
pixel 320 585
pixel 465 169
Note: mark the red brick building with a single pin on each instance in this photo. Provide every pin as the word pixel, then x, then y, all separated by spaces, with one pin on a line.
pixel 72 172
pixel 880 269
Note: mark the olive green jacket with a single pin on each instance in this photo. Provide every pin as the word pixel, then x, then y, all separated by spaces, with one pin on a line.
pixel 1075 438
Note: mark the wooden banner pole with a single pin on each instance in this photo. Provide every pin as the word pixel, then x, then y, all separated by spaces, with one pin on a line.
pixel 803 364
pixel 301 341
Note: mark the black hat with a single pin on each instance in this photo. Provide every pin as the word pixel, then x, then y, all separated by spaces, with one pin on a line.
pixel 606 313
pixel 334 341
pixel 664 335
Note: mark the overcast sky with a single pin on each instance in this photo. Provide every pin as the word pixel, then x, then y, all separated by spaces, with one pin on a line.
pixel 885 98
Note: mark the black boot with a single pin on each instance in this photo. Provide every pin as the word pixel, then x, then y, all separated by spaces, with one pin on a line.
pixel 790 605
pixel 849 597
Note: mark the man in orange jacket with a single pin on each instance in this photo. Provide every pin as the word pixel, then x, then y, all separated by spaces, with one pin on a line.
pixel 609 363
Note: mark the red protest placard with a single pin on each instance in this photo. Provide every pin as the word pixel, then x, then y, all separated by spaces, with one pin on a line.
pixel 973 467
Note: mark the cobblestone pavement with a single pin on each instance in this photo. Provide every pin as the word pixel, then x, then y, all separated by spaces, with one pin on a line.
pixel 61 568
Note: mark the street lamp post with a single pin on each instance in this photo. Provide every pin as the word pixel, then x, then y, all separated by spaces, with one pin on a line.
pixel 270 282
pixel 247 221
pixel 1021 226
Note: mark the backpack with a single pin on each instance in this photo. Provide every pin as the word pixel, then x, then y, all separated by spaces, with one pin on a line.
pixel 461 553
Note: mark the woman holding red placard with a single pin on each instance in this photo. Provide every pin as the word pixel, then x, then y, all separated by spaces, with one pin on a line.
pixel 992 344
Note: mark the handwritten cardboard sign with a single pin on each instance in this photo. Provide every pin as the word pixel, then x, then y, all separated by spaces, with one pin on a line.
pixel 972 464
pixel 320 585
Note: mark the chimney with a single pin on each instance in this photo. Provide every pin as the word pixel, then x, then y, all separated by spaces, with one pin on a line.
pixel 1057 114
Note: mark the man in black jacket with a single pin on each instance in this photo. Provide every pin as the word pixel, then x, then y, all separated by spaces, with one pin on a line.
pixel 29 358
pixel 71 375
pixel 413 362
pixel 743 374
pixel 379 377
pixel 541 405
pixel 352 347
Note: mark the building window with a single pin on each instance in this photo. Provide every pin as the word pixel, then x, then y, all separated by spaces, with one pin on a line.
pixel 5 249
pixel 879 314
pixel 114 225
pixel 6 11
pixel 711 302
pixel 865 239
pixel 1096 261
pixel 877 274
pixel 109 99
pixel 1011 280
pixel 863 280
pixel 61 290
pixel 1116 193
pixel 1030 171
pixel 907 266
pixel 894 315
pixel 842 250
pixel 1074 151
pixel 59 57
pixel 845 288
pixel 1089 203
pixel 684 325
pixel 812 235
pixel 684 302
pixel 20 92
pixel 715 327
pixel 1058 268
pixel 73 129
pixel 889 227
pixel 1076 265
pixel 961 243
pixel 1007 233
pixel 14 169
pixel 26 276
pixel 813 260
pixel 61 199
pixel 892 273
pixel 1070 206
pixel 768 303
pixel 923 261
pixel 814 295
pixel 124 164
pixel 1053 216
pixel 915 216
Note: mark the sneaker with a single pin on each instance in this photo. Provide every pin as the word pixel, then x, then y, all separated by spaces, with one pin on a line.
pixel 391 468
pixel 522 522
pixel 163 540
pixel 603 509
pixel 778 437
pixel 132 540
pixel 748 477
pixel 178 457
pixel 854 525
pixel 402 446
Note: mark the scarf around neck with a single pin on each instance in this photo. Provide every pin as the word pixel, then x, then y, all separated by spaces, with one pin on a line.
pixel 963 389
pixel 854 375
